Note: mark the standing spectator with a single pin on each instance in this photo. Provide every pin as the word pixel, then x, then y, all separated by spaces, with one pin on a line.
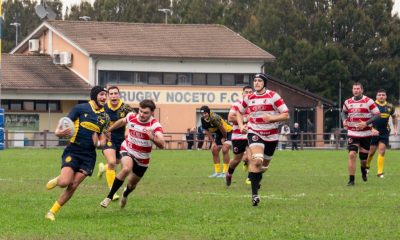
pixel 189 138
pixel 310 133
pixel 295 136
pixel 283 138
pixel 200 137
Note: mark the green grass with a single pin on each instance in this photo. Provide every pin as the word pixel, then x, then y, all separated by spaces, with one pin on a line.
pixel 303 197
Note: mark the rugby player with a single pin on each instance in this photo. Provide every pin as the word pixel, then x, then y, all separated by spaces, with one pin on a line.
pixel 79 157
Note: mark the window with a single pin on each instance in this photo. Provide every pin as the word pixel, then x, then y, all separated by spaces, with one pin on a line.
pixel 41 106
pixel 103 78
pixel 54 106
pixel 241 79
pixel 155 78
pixel 213 79
pixel 184 78
pixel 125 77
pixel 140 78
pixel 170 78
pixel 29 105
pixel 15 105
pixel 4 104
pixel 199 79
pixel 228 79
pixel 112 77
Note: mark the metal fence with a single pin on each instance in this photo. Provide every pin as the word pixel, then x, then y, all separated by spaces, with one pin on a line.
pixel 47 139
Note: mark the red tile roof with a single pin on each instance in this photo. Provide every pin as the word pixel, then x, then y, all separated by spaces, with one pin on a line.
pixel 32 72
pixel 205 41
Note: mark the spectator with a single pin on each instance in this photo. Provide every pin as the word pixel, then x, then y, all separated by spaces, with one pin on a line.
pixel 200 137
pixel 190 138
pixel 310 133
pixel 283 138
pixel 295 136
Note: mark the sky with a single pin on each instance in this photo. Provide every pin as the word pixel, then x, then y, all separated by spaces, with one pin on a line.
pixel 396 7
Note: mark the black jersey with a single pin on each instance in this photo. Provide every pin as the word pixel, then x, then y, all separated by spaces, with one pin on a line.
pixel 120 111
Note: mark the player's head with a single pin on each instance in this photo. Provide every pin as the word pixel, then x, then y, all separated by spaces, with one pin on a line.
pixel 381 95
pixel 357 89
pixel 260 82
pixel 113 95
pixel 146 110
pixel 205 111
pixel 99 95
pixel 247 90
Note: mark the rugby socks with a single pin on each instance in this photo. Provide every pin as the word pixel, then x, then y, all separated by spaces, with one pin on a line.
pixel 381 162
pixel 369 160
pixel 116 185
pixel 128 191
pixel 55 208
pixel 226 166
pixel 255 179
pixel 110 176
pixel 231 170
pixel 217 168
pixel 351 178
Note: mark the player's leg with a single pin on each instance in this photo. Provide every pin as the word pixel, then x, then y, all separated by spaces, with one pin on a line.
pixel 215 149
pixel 237 157
pixel 351 164
pixel 127 164
pixel 226 146
pixel 381 156
pixel 133 179
pixel 69 162
pixel 246 158
pixel 365 145
pixel 372 150
pixel 66 195
pixel 111 156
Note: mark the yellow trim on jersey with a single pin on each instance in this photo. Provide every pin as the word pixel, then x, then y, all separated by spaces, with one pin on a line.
pixel 380 104
pixel 227 127
pixel 385 115
pixel 90 126
pixel 76 126
pixel 91 102
pixel 118 105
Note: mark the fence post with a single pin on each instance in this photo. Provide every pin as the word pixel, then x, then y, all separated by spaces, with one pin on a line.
pixel 301 139
pixel 45 138
pixel 5 139
pixel 337 137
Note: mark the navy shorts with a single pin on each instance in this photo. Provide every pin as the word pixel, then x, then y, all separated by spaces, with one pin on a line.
pixel 239 146
pixel 381 138
pixel 269 147
pixel 79 161
pixel 218 138
pixel 114 145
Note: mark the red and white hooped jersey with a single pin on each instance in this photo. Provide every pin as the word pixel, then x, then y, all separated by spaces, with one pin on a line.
pixel 258 105
pixel 357 111
pixel 236 133
pixel 137 143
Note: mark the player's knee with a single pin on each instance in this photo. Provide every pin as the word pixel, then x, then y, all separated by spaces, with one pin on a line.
pixel 363 156
pixel 353 148
pixel 258 159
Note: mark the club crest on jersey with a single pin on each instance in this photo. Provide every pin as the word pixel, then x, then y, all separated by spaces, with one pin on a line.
pixel 350 140
pixel 109 144
pixel 68 159
pixel 121 115
pixel 255 138
pixel 235 150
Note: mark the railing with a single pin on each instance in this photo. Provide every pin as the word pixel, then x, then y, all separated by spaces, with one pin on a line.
pixel 47 139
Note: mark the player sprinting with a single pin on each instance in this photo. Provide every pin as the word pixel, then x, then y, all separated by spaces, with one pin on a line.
pixel 381 141
pixel 116 109
pixel 143 130
pixel 266 110
pixel 358 112
pixel 79 157
pixel 239 139
pixel 213 123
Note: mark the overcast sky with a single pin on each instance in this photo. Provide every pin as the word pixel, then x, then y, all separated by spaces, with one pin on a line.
pixel 396 7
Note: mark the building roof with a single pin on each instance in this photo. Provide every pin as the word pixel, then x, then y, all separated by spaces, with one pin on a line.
pixel 204 41
pixel 37 72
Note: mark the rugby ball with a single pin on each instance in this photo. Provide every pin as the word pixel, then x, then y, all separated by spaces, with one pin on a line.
pixel 66 122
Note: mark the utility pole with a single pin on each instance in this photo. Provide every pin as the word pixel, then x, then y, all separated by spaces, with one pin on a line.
pixel 16 25
pixel 166 11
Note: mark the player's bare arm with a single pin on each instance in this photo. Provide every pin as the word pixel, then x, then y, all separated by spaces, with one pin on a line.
pixel 209 135
pixel 223 131
pixel 395 124
pixel 119 123
pixel 362 124
pixel 157 139
pixel 268 118
pixel 99 140
pixel 343 116
pixel 59 132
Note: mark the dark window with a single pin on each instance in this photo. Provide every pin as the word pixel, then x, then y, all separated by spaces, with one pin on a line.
pixel 112 77
pixel 41 105
pixel 170 78
pixel 213 79
pixel 15 105
pixel 125 78
pixel 199 79
pixel 155 78
pixel 54 106
pixel 228 79
pixel 29 105
pixel 103 78
pixel 241 79
pixel 140 78
pixel 184 78
pixel 4 104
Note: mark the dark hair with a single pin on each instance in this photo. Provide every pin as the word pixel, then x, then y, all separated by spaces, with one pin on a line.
pixel 147 103
pixel 358 84
pixel 247 87
pixel 113 87
pixel 205 109
pixel 381 90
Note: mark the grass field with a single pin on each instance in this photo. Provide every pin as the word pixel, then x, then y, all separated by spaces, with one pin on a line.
pixel 303 197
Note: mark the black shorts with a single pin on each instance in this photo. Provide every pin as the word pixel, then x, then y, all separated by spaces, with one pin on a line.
pixel 364 142
pixel 79 161
pixel 239 146
pixel 218 138
pixel 269 147
pixel 136 169
pixel 381 138
pixel 114 145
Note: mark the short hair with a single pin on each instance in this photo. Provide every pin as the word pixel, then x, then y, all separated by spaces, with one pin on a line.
pixel 113 87
pixel 147 103
pixel 358 84
pixel 381 90
pixel 247 87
